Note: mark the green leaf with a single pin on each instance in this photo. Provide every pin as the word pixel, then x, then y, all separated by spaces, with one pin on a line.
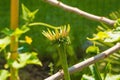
pixel 18 32
pixel 99 36
pixel 114 36
pixel 27 14
pixel 92 50
pixel 112 77
pixel 110 36
pixel 117 23
pixel 4 42
pixel 95 72
pixel 106 70
pixel 31 15
pixel 86 77
pixel 25 28
pixel 7 31
pixel 26 58
pixel 108 77
pixel 117 29
pixel 4 74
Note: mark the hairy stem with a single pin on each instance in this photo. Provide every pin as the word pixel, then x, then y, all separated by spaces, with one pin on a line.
pixel 79 66
pixel 63 60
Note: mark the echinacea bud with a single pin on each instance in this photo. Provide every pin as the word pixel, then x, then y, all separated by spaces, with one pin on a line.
pixel 60 36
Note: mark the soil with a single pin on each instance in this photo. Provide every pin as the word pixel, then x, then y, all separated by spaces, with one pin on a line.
pixel 34 72
pixel 31 72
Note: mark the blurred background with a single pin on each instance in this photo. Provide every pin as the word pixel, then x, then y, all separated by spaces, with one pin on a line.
pixel 80 28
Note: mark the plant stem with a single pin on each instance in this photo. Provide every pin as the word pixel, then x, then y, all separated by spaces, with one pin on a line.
pixel 44 24
pixel 14 43
pixel 14 74
pixel 63 60
pixel 79 66
pixel 59 4
pixel 95 71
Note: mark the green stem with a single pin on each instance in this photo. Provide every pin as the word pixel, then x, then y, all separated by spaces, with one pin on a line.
pixel 43 24
pixel 14 74
pixel 63 60
pixel 96 72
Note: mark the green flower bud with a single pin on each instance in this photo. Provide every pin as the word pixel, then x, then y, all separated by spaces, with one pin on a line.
pixel 92 50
